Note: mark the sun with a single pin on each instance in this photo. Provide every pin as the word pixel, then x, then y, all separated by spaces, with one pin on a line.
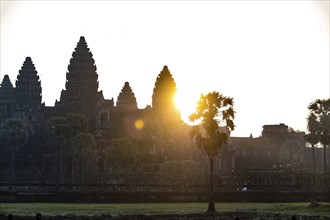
pixel 186 103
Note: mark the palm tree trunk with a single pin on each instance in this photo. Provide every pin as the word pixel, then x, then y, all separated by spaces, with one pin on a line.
pixel 325 158
pixel 313 155
pixel 12 167
pixel 211 207
pixel 82 173
pixel 61 171
pixel 72 173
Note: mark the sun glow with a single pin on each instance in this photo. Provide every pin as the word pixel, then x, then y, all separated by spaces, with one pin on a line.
pixel 186 103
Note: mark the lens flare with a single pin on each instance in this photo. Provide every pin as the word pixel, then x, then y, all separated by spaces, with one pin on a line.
pixel 139 124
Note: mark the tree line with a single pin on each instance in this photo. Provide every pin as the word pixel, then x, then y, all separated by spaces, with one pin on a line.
pixel 68 137
pixel 70 141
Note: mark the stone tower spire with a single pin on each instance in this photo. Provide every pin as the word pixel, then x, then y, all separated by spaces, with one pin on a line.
pixel 81 88
pixel 7 99
pixel 126 99
pixel 28 88
pixel 164 90
pixel 6 82
pixel 163 103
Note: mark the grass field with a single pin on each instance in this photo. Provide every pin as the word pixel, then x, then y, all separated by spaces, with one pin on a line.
pixel 53 209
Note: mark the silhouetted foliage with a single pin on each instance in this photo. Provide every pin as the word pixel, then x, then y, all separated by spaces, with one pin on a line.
pixel 78 123
pixel 213 110
pixel 174 142
pixel 318 124
pixel 13 136
pixel 83 147
pixel 122 155
pixel 166 141
pixel 59 134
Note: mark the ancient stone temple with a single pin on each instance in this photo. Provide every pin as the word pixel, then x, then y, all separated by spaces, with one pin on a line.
pixel 107 121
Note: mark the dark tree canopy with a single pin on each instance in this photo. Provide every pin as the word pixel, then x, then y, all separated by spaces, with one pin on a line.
pixel 122 155
pixel 67 137
pixel 84 145
pixel 78 122
pixel 13 135
pixel 59 134
pixel 28 87
pixel 126 98
pixel 83 150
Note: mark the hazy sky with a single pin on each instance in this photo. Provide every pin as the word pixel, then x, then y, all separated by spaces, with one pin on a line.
pixel 272 57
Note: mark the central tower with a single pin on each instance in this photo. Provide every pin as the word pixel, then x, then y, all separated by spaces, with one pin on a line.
pixel 81 88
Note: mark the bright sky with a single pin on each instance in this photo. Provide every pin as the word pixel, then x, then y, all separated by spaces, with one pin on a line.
pixel 272 57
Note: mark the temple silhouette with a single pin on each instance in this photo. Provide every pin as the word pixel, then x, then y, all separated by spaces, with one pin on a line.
pixel 108 120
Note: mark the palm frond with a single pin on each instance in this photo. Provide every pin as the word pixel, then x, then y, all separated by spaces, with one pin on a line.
pixel 314 105
pixel 230 111
pixel 193 117
pixel 228 101
pixel 208 135
pixel 230 124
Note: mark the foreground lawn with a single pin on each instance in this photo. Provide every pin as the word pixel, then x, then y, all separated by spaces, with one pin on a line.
pixel 53 209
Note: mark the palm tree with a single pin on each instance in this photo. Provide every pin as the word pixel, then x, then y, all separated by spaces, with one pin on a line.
pixel 13 136
pixel 213 110
pixel 319 123
pixel 122 156
pixel 312 140
pixel 312 137
pixel 83 145
pixel 59 134
pixel 78 122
